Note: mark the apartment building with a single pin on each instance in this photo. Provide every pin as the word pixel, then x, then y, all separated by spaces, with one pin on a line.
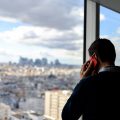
pixel 54 102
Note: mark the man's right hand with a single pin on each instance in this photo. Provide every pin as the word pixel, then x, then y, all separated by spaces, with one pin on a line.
pixel 87 69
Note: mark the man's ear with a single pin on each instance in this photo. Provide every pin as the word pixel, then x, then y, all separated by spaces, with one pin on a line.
pixel 95 56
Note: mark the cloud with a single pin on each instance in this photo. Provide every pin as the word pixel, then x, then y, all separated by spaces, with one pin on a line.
pixel 116 42
pixel 70 57
pixel 8 19
pixel 102 17
pixel 65 56
pixel 59 22
pixel 58 14
pixel 118 30
pixel 37 42
pixel 45 37
pixel 4 53
pixel 55 28
pixel 67 40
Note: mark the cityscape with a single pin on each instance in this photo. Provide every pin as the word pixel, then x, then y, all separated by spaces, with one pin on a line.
pixel 41 52
pixel 35 89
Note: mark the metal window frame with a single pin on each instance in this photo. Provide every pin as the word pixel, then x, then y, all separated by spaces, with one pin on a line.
pixel 91 25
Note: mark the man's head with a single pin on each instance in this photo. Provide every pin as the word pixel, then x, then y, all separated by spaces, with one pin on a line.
pixel 104 50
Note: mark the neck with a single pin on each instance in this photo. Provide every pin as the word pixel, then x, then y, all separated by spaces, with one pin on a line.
pixel 105 64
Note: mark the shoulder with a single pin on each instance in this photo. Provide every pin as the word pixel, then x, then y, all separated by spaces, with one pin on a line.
pixel 88 82
pixel 89 79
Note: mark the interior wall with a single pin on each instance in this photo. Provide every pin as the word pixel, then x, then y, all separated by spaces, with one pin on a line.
pixel 111 4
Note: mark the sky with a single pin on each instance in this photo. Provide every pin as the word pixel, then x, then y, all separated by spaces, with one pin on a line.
pixel 47 28
pixel 110 28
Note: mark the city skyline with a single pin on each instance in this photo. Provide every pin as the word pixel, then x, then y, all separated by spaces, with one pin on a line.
pixel 35 30
pixel 41 53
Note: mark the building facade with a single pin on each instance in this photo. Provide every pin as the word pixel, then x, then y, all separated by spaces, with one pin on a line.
pixel 54 102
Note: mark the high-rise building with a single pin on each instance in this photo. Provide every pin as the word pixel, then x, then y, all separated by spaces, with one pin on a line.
pixel 5 112
pixel 54 102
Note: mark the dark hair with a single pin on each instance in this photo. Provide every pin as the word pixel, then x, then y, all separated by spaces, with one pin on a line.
pixel 104 49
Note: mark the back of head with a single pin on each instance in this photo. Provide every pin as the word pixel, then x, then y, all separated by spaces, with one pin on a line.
pixel 104 49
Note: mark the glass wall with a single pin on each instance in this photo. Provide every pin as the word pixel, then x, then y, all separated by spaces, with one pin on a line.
pixel 41 51
pixel 110 28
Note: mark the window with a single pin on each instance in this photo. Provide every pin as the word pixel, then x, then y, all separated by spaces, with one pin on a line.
pixel 110 28
pixel 41 52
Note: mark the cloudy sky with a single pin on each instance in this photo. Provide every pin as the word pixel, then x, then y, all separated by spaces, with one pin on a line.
pixel 110 28
pixel 47 28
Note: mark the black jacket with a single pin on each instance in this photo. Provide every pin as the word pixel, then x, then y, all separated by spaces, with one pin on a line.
pixel 95 97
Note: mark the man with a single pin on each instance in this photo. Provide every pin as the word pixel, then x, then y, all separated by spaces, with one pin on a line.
pixel 96 96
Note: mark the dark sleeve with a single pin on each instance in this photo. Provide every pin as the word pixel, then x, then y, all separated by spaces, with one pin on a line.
pixel 73 109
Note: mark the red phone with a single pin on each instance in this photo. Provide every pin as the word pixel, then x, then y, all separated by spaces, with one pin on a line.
pixel 93 59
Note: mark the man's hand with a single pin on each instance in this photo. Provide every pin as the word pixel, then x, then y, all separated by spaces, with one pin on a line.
pixel 87 69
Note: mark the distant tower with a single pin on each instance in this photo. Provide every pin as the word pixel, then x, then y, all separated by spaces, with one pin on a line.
pixel 44 61
pixel 57 62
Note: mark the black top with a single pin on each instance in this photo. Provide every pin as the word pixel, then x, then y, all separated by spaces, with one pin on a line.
pixel 95 98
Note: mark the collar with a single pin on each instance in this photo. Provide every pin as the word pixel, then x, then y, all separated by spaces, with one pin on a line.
pixel 102 69
pixel 111 68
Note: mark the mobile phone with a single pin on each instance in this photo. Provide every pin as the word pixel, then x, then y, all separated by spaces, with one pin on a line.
pixel 93 59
